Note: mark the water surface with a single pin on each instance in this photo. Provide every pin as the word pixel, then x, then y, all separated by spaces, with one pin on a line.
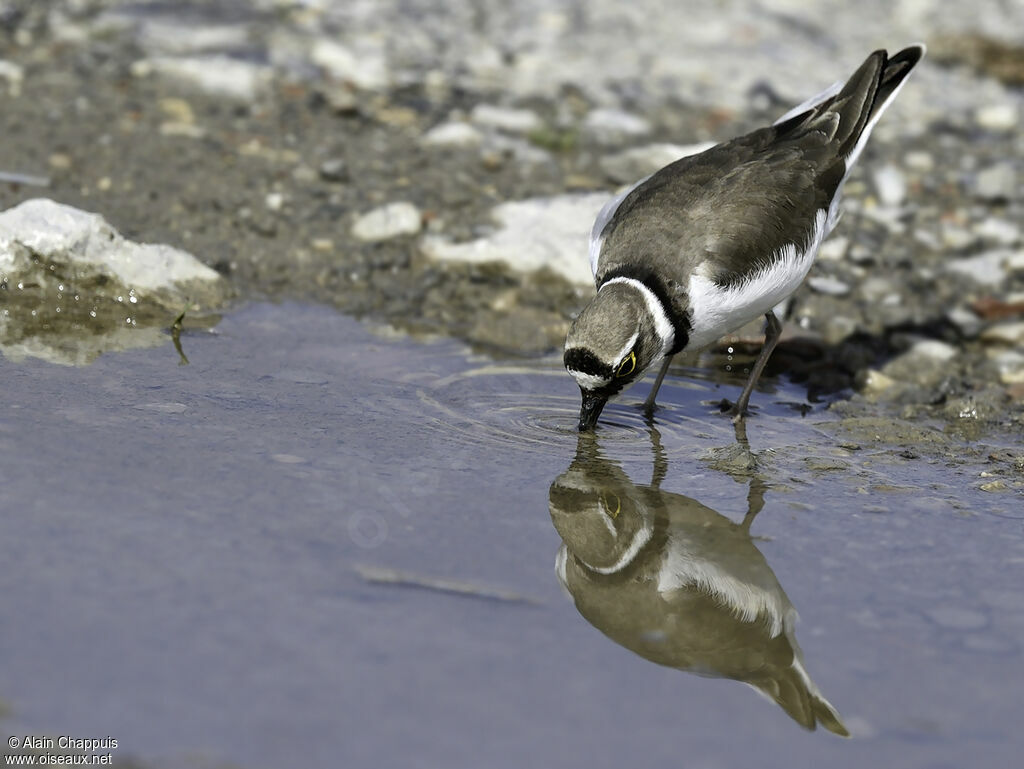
pixel 322 544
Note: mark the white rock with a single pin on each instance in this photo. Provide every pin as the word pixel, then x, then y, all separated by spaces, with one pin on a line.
pixel 833 249
pixel 988 269
pixel 454 134
pixel 14 74
pixel 391 221
pixel 540 232
pixel 877 289
pixel 955 237
pixel 967 322
pixel 890 218
pixel 635 163
pixel 612 126
pixel 890 184
pixel 919 160
pixel 58 262
pixel 1005 333
pixel 65 235
pixel 176 38
pixel 875 382
pixel 928 239
pixel 1004 232
pixel 511 146
pixel 366 69
pixel 828 286
pixel 998 117
pixel 997 182
pixel 932 349
pixel 926 361
pixel 1010 364
pixel 217 75
pixel 518 121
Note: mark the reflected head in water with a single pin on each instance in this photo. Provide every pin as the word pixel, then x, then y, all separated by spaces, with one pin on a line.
pixel 677 583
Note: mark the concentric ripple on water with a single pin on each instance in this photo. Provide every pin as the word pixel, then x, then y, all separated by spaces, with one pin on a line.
pixel 537 407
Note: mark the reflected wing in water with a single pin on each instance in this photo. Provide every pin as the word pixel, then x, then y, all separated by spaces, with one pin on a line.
pixel 679 584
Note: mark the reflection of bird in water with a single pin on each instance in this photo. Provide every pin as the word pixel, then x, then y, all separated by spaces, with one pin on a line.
pixel 677 583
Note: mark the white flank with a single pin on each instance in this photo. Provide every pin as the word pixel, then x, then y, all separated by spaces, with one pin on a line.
pixel 662 325
pixel 813 102
pixel 717 310
pixel 684 566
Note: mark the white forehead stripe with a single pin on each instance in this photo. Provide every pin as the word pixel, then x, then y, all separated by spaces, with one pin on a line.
pixel 662 325
pixel 588 381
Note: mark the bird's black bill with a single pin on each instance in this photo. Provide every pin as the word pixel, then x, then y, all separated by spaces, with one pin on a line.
pixel 591 410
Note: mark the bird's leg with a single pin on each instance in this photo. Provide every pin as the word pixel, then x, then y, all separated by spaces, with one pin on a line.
pixel 660 469
pixel 649 403
pixel 755 502
pixel 772 331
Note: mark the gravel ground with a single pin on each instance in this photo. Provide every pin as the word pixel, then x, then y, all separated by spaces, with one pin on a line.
pixel 336 151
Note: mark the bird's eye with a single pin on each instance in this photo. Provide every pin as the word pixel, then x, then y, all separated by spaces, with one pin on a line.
pixel 606 499
pixel 628 365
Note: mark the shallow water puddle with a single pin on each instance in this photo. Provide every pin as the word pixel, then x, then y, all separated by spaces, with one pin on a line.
pixel 320 543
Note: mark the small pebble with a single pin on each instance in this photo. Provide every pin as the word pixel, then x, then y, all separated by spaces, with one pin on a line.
pixel 341 99
pixel 635 163
pixel 890 184
pixel 365 69
pixel 13 74
pixel 925 363
pixel 334 170
pixel 875 382
pixel 998 117
pixel 391 221
pixel 988 269
pixel 833 249
pixel 996 182
pixel 1005 333
pixel 828 286
pixel 612 126
pixel 1003 232
pixel 877 289
pixel 177 110
pixel 966 322
pixel 956 237
pixel 517 121
pixel 453 135
pixel 919 161
pixel 1010 364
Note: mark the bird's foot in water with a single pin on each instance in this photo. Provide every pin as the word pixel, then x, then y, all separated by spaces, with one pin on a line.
pixel 649 410
pixel 726 406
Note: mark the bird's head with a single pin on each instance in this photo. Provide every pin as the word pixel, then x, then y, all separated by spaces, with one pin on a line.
pixel 609 346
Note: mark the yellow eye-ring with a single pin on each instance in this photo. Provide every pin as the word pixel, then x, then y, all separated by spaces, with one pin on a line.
pixel 618 504
pixel 628 365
